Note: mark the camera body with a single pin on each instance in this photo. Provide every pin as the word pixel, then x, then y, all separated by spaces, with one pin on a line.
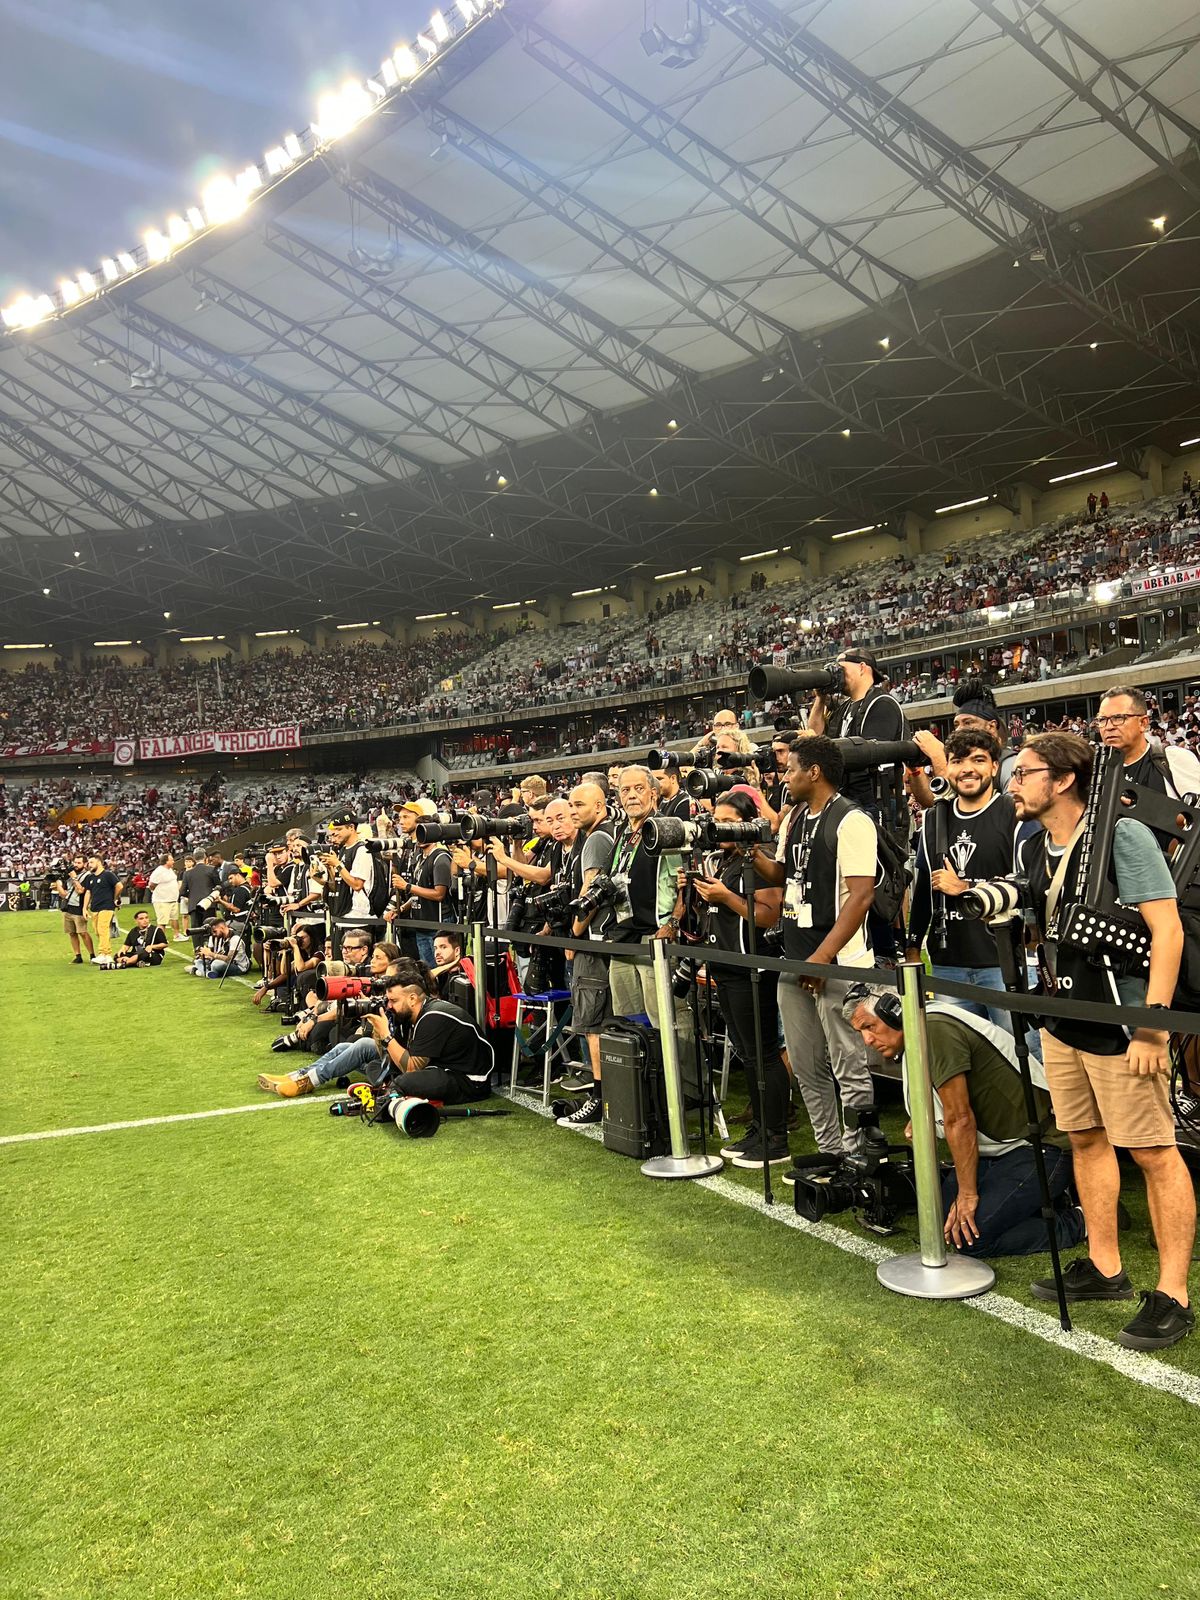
pixel 554 906
pixel 877 1181
pixel 601 892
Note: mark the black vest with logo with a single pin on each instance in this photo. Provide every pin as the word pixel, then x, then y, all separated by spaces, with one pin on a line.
pixel 981 846
pixel 1078 977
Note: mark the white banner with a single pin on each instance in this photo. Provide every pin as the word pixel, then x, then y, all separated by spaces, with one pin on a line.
pixel 249 741
pixel 1177 578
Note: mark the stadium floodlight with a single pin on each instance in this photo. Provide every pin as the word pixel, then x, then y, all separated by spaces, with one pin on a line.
pixel 659 577
pixel 87 283
pixel 248 180
pixel 195 219
pixel 345 627
pixel 158 246
pixel 26 311
pixel 1159 224
pixel 466 10
pixel 578 594
pixel 760 555
pixel 1183 443
pixel 962 505
pixel 439 27
pixel 222 201
pixel 273 633
pixel 126 262
pixel 507 605
pixel 1084 472
pixel 405 61
pixel 850 533
pixel 196 638
pixel 340 110
pixel 110 269
pixel 27 647
pixel 69 291
pixel 387 71
pixel 427 43
pixel 178 230
pixel 293 147
pixel 431 616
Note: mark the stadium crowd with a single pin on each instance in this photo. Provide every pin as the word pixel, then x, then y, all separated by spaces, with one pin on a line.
pixel 692 637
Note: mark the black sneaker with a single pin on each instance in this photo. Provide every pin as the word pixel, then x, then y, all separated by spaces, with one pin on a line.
pixel 1159 1322
pixel 1083 1281
pixel 76 961
pixel 734 1147
pixel 586 1115
pixel 752 1154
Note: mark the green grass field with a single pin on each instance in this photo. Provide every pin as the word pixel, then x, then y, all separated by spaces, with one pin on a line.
pixel 276 1355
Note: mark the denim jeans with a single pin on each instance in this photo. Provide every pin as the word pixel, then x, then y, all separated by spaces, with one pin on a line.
pixel 1008 1216
pixel 984 978
pixel 425 947
pixel 353 1057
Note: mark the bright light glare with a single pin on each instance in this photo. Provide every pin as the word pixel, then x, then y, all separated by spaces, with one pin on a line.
pixel 69 290
pixel 439 27
pixel 340 110
pixel 158 246
pixel 110 269
pixel 222 201
pixel 407 65
pixel 178 231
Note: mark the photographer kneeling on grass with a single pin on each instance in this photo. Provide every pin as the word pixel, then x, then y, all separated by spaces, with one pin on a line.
pixel 222 951
pixel 992 1198
pixel 420 1047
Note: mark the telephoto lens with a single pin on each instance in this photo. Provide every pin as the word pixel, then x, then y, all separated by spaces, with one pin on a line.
pixel 989 900
pixel 743 833
pixel 670 833
pixel 862 754
pixel 481 827
pixel 456 832
pixel 703 783
pixel 662 761
pixel 769 683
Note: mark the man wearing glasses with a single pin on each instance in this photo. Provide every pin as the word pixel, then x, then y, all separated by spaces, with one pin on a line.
pixel 1109 1085
pixel 1123 724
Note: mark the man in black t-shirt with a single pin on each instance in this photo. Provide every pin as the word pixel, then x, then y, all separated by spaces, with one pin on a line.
pixel 868 711
pixel 435 1050
pixel 144 945
pixel 101 893
pixel 199 882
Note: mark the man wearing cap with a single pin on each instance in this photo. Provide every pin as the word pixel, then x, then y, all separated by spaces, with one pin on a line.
pixel 351 869
pixel 867 711
pixel 426 884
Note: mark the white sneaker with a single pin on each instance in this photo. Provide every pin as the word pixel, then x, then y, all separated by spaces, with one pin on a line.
pixel 181 938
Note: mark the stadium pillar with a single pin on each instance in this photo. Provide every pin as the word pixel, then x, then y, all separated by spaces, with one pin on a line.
pixel 552 609
pixel 320 637
pixel 722 579
pixel 911 528
pixel 1026 505
pixel 1153 462
pixel 814 554
pixel 398 630
pixel 639 597
pixel 477 619
pixel 242 643
pixel 162 652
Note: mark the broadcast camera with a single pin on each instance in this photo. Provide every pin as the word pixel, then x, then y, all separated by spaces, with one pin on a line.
pixel 876 1181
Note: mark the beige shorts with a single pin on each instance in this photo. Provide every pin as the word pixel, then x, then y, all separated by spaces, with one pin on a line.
pixel 165 911
pixel 74 924
pixel 1100 1092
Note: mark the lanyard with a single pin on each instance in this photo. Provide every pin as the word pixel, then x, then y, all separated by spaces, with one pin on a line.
pixel 620 864
pixel 808 826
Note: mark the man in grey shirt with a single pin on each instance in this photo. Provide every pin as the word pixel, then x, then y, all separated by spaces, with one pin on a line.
pixel 592 853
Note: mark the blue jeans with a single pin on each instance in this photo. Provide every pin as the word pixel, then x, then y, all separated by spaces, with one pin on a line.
pixel 425 947
pixel 1008 1216
pixel 354 1057
pixel 984 978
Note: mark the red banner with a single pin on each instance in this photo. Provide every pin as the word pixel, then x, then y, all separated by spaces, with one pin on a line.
pixel 57 747
pixel 249 741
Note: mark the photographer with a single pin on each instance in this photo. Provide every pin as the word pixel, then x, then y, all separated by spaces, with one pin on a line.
pixel 360 1057
pixel 978 826
pixel 223 951
pixel 234 898
pixel 428 889
pixel 974 709
pixel 286 963
pixel 774 780
pixel 70 886
pixel 315 1029
pixel 351 869
pixel 1109 1086
pixel 825 862
pixel 450 960
pixel 865 710
pixel 199 884
pixel 590 857
pixel 1123 722
pixel 724 891
pixel 405 862
pixel 101 892
pixel 547 969
pixel 992 1199
pixel 724 722
pixel 673 798
pixel 145 946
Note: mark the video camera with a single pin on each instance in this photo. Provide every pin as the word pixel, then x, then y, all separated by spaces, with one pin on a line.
pixel 877 1181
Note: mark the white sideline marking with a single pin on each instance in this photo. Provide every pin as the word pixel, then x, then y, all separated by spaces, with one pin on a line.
pixel 158 1122
pixel 1133 1364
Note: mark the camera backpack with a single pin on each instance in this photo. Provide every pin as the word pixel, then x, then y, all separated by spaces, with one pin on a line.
pixel 631 1079
pixel 892 871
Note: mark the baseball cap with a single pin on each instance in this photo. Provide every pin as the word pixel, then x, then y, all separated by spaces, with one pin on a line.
pixel 865 658
pixel 344 819
pixel 422 807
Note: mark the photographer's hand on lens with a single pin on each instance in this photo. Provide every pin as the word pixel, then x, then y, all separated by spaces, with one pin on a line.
pixel 933 748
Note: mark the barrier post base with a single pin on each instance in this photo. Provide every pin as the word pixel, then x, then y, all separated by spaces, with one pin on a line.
pixel 693 1166
pixel 959 1279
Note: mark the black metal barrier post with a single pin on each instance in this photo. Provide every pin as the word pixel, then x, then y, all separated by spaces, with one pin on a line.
pixel 932 1274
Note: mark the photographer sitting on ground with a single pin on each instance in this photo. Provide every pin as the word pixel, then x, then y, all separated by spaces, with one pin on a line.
pixel 433 1049
pixel 360 1057
pixel 286 962
pixel 992 1199
pixel 145 946
pixel 449 959
pixel 223 951
pixel 315 1028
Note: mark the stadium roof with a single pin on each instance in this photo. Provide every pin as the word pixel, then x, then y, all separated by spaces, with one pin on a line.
pixel 608 286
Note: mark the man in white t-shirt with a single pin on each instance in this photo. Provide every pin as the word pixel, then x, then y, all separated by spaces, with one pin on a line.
pixel 825 862
pixel 163 883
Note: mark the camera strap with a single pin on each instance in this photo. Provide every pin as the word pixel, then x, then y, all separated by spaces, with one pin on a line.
pixel 1054 892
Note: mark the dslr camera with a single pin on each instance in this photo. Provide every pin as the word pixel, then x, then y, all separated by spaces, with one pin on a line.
pixel 601 892
pixel 554 906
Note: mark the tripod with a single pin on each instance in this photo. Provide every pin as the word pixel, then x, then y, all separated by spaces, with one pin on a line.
pixel 246 923
pixel 1009 934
